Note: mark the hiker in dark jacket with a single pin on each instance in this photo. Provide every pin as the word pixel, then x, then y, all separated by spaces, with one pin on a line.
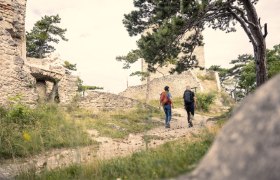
pixel 166 102
pixel 190 104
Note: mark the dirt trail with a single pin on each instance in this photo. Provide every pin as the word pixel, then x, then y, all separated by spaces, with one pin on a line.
pixel 108 147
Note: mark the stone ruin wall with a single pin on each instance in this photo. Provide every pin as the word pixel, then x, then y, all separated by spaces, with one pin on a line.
pixel 177 84
pixel 52 67
pixel 67 89
pixel 14 76
pixel 31 78
pixel 106 101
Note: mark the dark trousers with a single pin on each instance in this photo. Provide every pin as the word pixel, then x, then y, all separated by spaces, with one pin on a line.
pixel 190 110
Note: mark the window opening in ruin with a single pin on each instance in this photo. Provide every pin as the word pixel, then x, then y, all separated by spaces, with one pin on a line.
pixel 47 91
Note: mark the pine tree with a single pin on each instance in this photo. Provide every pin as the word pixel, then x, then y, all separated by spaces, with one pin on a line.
pixel 44 32
pixel 169 20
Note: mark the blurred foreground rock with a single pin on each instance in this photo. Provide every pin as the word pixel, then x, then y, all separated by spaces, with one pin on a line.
pixel 248 146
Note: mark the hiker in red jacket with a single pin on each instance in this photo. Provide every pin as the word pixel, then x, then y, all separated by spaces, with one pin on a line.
pixel 166 102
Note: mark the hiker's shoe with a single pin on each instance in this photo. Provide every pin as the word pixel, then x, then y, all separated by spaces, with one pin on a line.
pixel 167 126
pixel 190 125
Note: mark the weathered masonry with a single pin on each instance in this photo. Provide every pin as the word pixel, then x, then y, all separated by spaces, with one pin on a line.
pixel 33 80
pixel 14 76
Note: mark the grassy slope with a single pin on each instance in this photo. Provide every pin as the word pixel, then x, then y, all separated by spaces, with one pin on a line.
pixel 25 132
pixel 168 160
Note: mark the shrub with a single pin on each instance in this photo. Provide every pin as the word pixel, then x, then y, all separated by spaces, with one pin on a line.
pixel 204 100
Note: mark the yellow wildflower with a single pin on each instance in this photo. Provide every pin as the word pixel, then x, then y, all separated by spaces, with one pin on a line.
pixel 26 136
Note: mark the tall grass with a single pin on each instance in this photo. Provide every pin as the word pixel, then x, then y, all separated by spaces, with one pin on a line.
pixel 119 124
pixel 25 131
pixel 168 160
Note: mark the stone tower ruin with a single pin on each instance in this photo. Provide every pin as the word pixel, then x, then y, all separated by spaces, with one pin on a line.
pixel 32 80
pixel 14 76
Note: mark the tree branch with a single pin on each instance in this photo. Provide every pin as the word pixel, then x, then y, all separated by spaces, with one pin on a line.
pixel 243 16
pixel 246 29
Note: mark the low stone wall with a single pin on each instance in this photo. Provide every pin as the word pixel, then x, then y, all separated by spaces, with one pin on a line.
pixel 106 101
pixel 177 84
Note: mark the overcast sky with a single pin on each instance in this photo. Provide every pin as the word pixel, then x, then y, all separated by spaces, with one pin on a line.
pixel 96 36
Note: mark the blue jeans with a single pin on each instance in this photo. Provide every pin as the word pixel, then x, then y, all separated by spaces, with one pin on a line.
pixel 168 114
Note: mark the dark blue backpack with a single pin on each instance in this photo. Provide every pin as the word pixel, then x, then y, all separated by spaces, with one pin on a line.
pixel 188 96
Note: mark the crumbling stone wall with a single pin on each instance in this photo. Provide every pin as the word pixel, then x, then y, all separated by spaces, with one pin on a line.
pixel 14 76
pixel 67 88
pixel 106 101
pixel 30 78
pixel 52 71
pixel 177 84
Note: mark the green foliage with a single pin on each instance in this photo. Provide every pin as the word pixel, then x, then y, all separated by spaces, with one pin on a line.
pixel 26 131
pixel 247 79
pixel 166 161
pixel 70 66
pixel 204 101
pixel 164 23
pixel 222 71
pixel 44 32
pixel 83 88
pixel 244 71
pixel 130 58
pixel 273 58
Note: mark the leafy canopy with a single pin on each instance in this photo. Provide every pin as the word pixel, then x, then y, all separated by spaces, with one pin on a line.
pixel 244 72
pixel 44 32
pixel 163 25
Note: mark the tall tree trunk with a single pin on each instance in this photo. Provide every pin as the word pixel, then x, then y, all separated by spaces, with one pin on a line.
pixel 253 29
pixel 261 62
pixel 148 89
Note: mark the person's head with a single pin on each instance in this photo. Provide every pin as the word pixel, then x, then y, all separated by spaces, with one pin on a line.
pixel 188 87
pixel 166 88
